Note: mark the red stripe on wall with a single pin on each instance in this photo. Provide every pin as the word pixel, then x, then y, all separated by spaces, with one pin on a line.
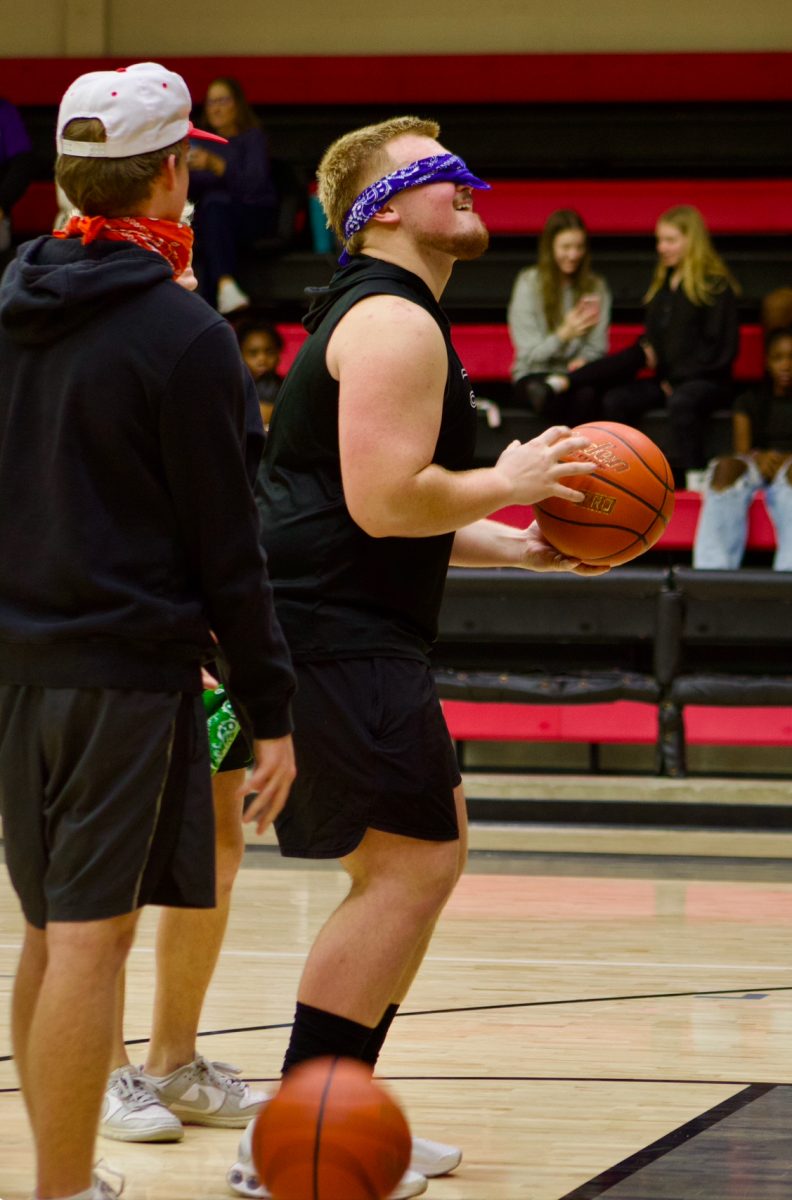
pixel 445 79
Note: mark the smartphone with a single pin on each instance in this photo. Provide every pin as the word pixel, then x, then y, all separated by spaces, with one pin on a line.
pixel 591 303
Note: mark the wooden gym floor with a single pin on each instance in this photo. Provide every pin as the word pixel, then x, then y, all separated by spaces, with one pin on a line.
pixel 610 1018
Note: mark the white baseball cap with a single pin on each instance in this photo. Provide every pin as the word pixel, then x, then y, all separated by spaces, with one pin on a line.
pixel 143 107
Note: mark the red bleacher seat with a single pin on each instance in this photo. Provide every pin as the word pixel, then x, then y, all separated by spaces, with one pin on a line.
pixel 624 722
pixel 632 206
pixel 620 721
pixel 487 352
pixel 682 526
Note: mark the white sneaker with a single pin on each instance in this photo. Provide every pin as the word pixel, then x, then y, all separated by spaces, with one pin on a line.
pixel 133 1112
pixel 206 1093
pixel 230 297
pixel 434 1158
pixel 243 1180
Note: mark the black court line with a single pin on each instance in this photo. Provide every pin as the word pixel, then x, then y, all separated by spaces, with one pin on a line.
pixel 753 992
pixel 724 1083
pixel 741 991
pixel 653 1153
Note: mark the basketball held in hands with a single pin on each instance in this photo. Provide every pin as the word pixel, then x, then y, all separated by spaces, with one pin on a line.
pixel 628 503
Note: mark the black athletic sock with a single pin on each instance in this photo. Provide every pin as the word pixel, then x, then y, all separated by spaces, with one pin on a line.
pixel 371 1050
pixel 316 1033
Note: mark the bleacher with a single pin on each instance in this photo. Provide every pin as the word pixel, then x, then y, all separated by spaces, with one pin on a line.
pixel 620 137
pixel 663 657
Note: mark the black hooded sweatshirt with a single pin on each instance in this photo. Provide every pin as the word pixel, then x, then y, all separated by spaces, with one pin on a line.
pixel 340 593
pixel 128 528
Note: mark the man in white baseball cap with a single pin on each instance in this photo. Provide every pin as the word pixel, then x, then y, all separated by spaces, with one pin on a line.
pixel 127 426
pixel 142 108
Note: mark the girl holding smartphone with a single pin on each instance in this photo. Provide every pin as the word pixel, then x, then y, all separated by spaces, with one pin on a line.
pixel 558 317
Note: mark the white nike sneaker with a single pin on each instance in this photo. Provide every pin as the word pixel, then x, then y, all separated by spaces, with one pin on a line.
pixel 207 1093
pixel 133 1112
pixel 243 1180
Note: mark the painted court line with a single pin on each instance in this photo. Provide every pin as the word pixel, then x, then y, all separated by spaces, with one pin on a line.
pixel 646 965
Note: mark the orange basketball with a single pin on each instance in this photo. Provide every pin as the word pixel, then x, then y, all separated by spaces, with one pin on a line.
pixel 629 498
pixel 331 1133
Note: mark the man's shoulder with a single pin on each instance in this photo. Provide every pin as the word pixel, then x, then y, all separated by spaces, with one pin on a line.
pixel 383 328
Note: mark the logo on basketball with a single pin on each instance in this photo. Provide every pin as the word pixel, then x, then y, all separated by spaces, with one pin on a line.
pixel 599 503
pixel 604 454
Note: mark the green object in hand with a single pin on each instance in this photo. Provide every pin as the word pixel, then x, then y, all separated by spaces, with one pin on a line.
pixel 222 724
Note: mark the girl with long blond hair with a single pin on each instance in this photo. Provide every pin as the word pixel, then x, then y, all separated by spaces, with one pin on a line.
pixel 692 329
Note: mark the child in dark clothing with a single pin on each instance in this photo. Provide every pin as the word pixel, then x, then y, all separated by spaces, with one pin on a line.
pixel 762 458
pixel 261 346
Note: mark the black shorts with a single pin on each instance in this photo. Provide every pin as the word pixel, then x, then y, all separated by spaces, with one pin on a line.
pixel 373 752
pixel 106 801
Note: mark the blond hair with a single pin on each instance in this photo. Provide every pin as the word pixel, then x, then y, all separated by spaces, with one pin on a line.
pixel 354 161
pixel 108 187
pixel 704 273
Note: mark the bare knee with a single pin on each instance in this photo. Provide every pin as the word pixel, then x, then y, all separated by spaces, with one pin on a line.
pixel 34 946
pixel 102 944
pixel 726 472
pixel 419 876
pixel 438 883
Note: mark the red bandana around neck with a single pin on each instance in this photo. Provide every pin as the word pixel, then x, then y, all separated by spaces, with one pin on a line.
pixel 168 238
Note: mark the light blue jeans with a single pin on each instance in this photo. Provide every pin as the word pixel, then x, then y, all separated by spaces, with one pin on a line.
pixel 722 529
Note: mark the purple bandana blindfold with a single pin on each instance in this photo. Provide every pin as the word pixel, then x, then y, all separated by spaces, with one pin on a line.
pixel 438 168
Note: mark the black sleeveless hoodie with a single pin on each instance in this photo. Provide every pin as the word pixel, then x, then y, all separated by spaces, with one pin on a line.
pixel 340 593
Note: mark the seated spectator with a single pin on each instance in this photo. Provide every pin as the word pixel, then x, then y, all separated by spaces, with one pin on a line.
pixel 16 167
pixel 692 328
pixel 762 437
pixel 558 316
pixel 261 347
pixel 234 193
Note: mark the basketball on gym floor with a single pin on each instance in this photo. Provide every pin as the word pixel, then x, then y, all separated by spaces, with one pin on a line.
pixel 628 501
pixel 331 1133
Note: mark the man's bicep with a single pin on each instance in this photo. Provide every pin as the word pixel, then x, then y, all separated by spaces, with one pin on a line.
pixel 392 378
